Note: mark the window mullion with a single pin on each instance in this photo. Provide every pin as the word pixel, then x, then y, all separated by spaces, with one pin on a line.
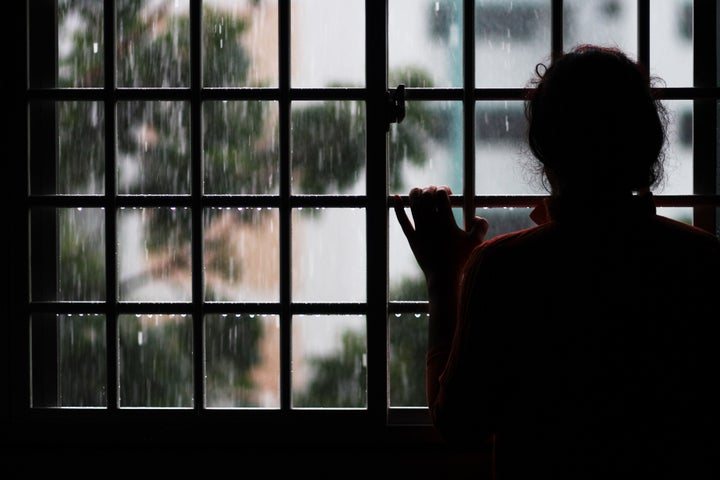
pixel 468 135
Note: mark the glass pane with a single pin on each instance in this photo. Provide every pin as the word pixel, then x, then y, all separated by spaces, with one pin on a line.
pixel 328 255
pixel 242 361
pixel 329 358
pixel 603 22
pixel 328 147
pixel 506 219
pixel 240 43
pixel 60 164
pixel 154 254
pixel 510 39
pixel 328 43
pixel 80 44
pixel 69 363
pixel 153 147
pixel 671 42
pixel 241 254
pixel 406 359
pixel 240 147
pixel 153 43
pixel 425 43
pixel 681 214
pixel 503 163
pixel 68 254
pixel 679 153
pixel 156 361
pixel 426 147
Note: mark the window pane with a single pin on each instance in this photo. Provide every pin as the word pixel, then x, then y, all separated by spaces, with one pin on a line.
pixel 73 269
pixel 329 361
pixel 80 44
pixel 60 164
pixel 240 43
pixel 154 254
pixel 425 43
pixel 671 42
pixel 328 147
pixel 153 147
pixel 510 39
pixel 604 22
pixel 328 256
pixel 407 347
pixel 426 148
pixel 156 361
pixel 241 254
pixel 153 43
pixel 503 163
pixel 679 154
pixel 328 43
pixel 69 364
pixel 242 361
pixel 240 147
pixel 505 220
pixel 681 214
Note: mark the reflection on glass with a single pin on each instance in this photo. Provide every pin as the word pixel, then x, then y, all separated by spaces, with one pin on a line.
pixel 503 164
pixel 678 156
pixel 328 147
pixel 329 255
pixel 328 43
pixel 69 360
pixel 78 273
pixel 406 359
pixel 602 22
pixel 153 147
pixel 426 147
pixel 242 361
pixel 155 361
pixel 671 42
pixel 329 361
pixel 425 43
pixel 510 39
pixel 154 254
pixel 153 43
pixel 240 147
pixel 240 43
pixel 80 44
pixel 241 254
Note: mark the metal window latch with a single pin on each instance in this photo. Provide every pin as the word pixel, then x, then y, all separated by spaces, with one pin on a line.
pixel 396 105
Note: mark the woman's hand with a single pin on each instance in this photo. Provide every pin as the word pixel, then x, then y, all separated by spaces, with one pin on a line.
pixel 440 247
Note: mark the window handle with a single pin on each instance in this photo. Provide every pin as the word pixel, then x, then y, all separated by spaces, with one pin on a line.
pixel 396 105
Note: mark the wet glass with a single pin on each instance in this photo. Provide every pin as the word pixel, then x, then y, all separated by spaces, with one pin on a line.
pixel 241 254
pixel 240 147
pixel 602 22
pixel 425 43
pixel 152 43
pixel 71 167
pixel 426 147
pixel 154 262
pixel 240 43
pixel 69 360
pixel 679 153
pixel 329 255
pixel 242 361
pixel 153 147
pixel 671 42
pixel 329 358
pixel 406 359
pixel 68 260
pixel 80 44
pixel 328 43
pixel 155 361
pixel 505 219
pixel 503 163
pixel 510 39
pixel 328 147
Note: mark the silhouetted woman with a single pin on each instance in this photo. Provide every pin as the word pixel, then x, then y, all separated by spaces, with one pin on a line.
pixel 585 345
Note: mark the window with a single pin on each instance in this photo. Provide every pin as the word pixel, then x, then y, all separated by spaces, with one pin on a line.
pixel 203 192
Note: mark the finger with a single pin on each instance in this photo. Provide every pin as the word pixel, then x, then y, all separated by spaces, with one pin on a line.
pixel 402 217
pixel 478 228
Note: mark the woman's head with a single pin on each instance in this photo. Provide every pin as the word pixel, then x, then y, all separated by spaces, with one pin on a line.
pixel 594 123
